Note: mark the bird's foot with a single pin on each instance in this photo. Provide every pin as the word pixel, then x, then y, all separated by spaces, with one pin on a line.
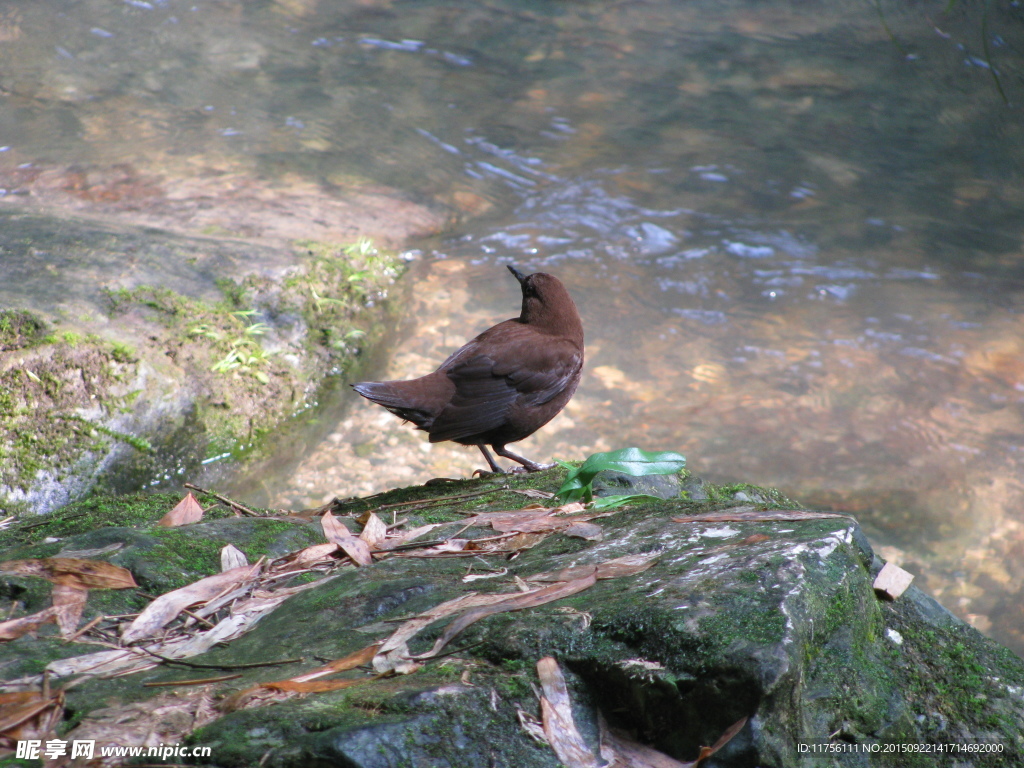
pixel 513 470
pixel 526 464
pixel 534 467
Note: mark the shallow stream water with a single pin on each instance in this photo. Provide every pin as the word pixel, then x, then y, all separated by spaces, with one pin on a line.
pixel 794 230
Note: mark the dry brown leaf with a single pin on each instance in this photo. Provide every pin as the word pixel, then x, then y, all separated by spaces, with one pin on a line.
pixel 304 558
pixel 395 649
pixel 250 698
pixel 232 557
pixel 73 572
pixel 556 713
pixel 186 511
pixel 404 538
pixel 333 527
pixel 166 718
pixel 750 514
pixel 520 542
pixel 552 522
pixel 374 532
pixel 320 686
pixel 12 629
pixel 724 739
pixel 509 517
pixel 352 546
pixel 165 608
pixel 513 603
pixel 538 524
pixel 508 520
pixel 305 683
pixel 588 531
pixel 69 602
pixel 353 660
pixel 28 715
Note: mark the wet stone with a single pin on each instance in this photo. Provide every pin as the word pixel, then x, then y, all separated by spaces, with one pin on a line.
pixel 774 620
pixel 609 483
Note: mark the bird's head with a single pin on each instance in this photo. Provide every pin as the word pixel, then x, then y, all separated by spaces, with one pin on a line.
pixel 547 305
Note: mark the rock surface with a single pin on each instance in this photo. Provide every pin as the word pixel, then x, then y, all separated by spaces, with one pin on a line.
pixel 129 355
pixel 746 610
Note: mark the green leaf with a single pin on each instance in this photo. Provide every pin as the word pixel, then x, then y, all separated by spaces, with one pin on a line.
pixel 631 461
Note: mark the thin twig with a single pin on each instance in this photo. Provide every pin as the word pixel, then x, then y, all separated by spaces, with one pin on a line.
pixel 457 650
pixel 204 681
pixel 198 665
pixel 46 522
pixel 441 499
pixel 85 629
pixel 412 545
pixel 225 500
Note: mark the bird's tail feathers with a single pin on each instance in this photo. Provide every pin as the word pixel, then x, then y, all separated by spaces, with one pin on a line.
pixel 390 395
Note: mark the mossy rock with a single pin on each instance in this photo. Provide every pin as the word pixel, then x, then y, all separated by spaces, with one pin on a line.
pixel 773 620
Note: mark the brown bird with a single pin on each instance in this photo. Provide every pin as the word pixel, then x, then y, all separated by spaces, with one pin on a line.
pixel 503 385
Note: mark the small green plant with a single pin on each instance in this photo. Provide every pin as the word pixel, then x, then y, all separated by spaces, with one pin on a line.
pixel 244 354
pixel 319 301
pixel 362 247
pixel 579 485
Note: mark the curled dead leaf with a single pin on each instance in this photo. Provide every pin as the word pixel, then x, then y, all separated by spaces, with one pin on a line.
pixel 73 572
pixel 374 532
pixel 12 629
pixel 512 603
pixel 232 557
pixel 165 608
pixel 556 715
pixel 29 715
pixel 69 602
pixel 186 511
pixel 353 546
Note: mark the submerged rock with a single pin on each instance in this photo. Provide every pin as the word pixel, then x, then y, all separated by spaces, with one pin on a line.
pixel 763 612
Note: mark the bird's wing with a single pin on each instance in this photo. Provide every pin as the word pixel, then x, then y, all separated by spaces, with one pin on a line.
pixel 542 371
pixel 488 383
pixel 480 403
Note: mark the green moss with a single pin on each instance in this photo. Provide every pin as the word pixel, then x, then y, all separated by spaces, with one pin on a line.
pixel 19 329
pixel 761 627
pixel 766 498
pixel 183 555
pixel 41 427
pixel 137 511
pixel 123 353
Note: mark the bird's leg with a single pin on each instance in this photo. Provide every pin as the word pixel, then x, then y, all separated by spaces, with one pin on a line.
pixel 490 460
pixel 530 466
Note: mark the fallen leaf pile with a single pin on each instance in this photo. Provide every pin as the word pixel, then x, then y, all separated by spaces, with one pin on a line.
pixel 188 621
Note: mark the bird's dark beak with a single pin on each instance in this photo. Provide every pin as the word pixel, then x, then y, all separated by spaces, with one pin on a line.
pixel 519 275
